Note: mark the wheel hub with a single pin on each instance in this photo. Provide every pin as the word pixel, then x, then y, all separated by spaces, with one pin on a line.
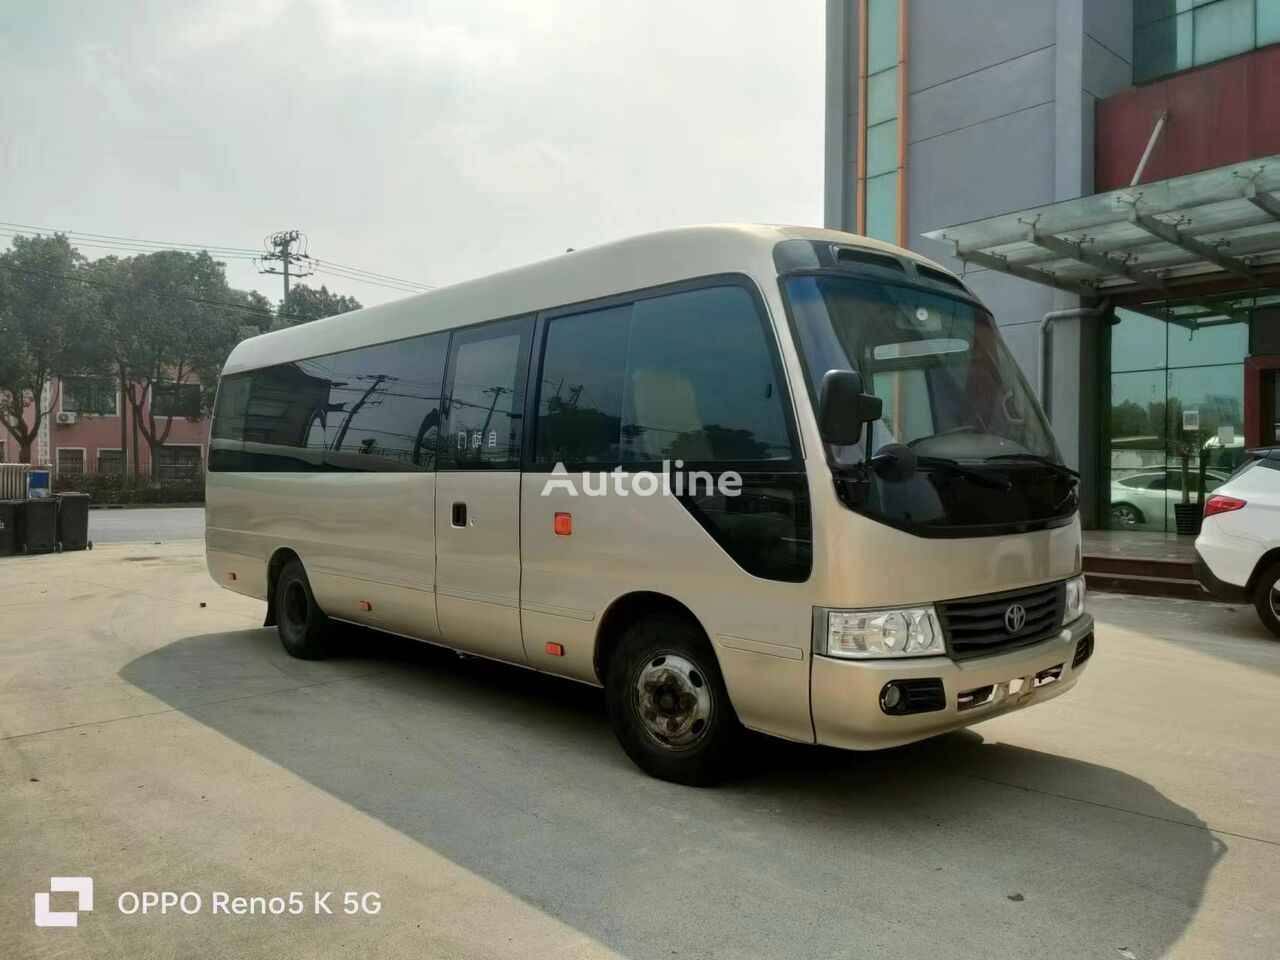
pixel 673 701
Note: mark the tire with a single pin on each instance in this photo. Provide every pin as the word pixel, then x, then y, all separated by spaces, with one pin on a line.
pixel 1126 515
pixel 302 625
pixel 668 703
pixel 1265 598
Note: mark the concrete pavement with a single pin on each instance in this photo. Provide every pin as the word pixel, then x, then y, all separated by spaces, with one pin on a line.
pixel 157 744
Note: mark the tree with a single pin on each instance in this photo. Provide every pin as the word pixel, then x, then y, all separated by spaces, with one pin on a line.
pixel 46 330
pixel 306 304
pixel 178 319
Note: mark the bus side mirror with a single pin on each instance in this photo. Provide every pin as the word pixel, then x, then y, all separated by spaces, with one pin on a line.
pixel 843 409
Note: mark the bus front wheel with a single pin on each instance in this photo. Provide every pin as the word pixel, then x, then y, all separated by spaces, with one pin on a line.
pixel 302 625
pixel 668 703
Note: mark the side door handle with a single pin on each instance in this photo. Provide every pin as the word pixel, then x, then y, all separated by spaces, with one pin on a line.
pixel 459 514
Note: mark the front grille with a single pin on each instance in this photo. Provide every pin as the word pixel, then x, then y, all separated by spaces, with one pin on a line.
pixel 977 626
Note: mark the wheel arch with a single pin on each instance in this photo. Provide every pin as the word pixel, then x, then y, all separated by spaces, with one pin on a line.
pixel 279 558
pixel 626 610
pixel 1264 561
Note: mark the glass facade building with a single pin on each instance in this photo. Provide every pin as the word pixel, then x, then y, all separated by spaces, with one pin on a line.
pixel 1173 35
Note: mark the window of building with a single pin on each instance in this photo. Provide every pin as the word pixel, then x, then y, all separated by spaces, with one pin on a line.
pixel 179 462
pixel 1177 404
pixel 486 396
pixel 3 459
pixel 881 77
pixel 110 462
pixel 1172 35
pixel 70 460
pixel 176 400
pixel 89 395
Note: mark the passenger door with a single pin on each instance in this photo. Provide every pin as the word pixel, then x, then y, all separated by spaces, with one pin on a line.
pixel 478 490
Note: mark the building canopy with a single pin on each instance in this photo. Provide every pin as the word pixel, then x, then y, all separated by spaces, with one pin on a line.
pixel 1151 238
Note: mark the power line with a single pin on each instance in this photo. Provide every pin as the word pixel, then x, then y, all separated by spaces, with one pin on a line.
pixel 93 282
pixel 106 241
pixel 162 244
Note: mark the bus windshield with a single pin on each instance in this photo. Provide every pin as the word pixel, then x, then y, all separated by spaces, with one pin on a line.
pixel 951 391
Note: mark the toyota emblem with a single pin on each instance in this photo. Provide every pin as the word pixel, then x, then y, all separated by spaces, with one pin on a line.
pixel 1015 617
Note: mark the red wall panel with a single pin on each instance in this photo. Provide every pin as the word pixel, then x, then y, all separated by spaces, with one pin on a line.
pixel 1218 114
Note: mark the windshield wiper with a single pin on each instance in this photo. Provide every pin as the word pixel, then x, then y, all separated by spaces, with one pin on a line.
pixel 974 476
pixel 1059 468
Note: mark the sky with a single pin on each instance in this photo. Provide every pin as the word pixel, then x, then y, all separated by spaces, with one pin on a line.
pixel 430 140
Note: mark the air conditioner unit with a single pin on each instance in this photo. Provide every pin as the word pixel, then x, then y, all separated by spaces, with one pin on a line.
pixel 66 418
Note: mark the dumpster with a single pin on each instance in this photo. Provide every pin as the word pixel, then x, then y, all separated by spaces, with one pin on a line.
pixel 73 521
pixel 9 526
pixel 38 526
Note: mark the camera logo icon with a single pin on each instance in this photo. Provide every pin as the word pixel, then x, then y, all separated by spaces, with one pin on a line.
pixel 82 886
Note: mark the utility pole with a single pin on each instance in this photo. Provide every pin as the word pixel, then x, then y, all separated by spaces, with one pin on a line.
pixel 283 249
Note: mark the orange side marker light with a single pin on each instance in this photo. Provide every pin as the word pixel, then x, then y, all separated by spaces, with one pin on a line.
pixel 564 524
pixel 366 606
pixel 555 649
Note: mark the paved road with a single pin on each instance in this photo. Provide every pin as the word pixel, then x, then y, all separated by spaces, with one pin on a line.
pixel 159 744
pixel 146 524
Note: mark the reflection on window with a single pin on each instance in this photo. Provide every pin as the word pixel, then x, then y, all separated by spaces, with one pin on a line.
pixel 1172 35
pixel 701 385
pixel 486 398
pixel 580 396
pixel 1176 419
pixel 374 408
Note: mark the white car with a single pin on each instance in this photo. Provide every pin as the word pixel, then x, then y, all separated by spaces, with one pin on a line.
pixel 1238 550
pixel 1148 496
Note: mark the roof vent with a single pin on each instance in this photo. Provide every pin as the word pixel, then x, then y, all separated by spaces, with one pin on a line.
pixel 868 258
pixel 938 276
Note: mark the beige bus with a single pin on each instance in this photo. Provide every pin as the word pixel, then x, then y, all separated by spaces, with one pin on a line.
pixel 738 476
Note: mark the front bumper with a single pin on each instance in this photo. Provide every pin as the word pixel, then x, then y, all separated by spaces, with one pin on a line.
pixel 846 693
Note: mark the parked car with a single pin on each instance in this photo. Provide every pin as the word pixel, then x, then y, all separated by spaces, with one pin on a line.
pixel 1238 550
pixel 1148 497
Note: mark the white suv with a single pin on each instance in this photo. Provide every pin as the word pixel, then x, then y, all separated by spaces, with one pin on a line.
pixel 1238 550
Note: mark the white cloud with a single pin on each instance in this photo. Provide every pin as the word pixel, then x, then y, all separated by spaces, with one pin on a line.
pixel 432 140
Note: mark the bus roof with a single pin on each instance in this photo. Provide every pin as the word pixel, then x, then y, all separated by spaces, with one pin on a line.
pixel 646 260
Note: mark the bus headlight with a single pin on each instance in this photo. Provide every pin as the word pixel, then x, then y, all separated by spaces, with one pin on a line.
pixel 903 632
pixel 1073 609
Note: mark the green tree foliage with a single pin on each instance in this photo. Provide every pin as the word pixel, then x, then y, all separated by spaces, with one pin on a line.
pixel 46 330
pixel 306 304
pixel 175 320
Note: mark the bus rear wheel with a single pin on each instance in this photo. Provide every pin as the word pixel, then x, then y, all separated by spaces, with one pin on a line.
pixel 302 625
pixel 668 703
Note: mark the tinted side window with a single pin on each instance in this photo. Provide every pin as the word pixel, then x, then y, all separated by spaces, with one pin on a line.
pixel 384 405
pixel 375 408
pixel 228 415
pixel 580 394
pixel 701 384
pixel 485 409
pixel 288 409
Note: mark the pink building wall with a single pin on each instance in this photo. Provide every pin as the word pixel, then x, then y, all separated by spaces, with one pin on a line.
pixel 93 433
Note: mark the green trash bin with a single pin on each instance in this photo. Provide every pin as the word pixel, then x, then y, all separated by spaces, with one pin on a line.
pixel 9 527
pixel 73 521
pixel 38 526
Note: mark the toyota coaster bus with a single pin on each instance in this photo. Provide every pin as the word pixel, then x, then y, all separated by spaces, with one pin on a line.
pixel 777 477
